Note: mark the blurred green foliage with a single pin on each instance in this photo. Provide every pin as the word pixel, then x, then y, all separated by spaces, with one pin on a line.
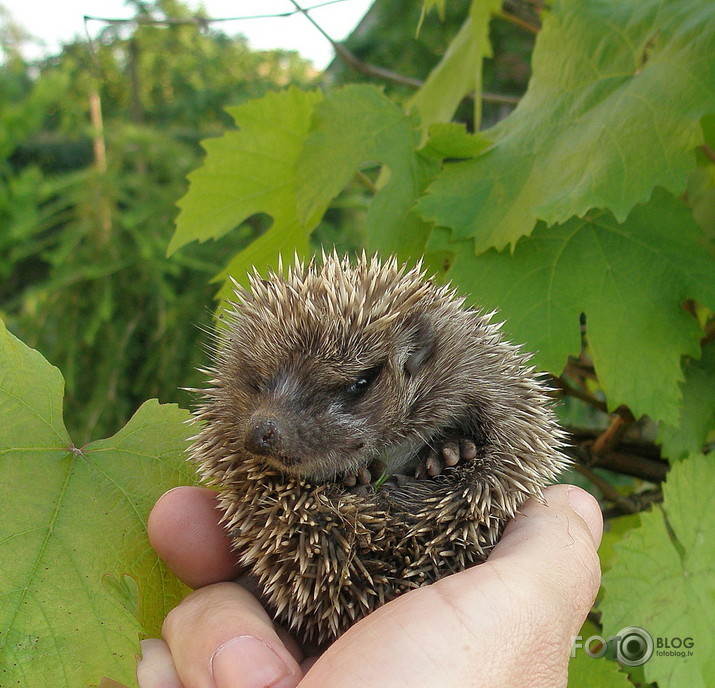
pixel 84 276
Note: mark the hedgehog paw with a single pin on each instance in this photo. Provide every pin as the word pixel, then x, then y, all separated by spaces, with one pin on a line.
pixel 450 454
pixel 360 477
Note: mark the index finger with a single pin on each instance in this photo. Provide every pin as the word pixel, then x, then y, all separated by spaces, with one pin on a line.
pixel 185 532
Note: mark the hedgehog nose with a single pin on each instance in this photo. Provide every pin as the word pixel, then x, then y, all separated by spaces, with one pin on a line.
pixel 262 437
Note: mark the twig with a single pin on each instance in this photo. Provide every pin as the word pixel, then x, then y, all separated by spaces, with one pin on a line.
pixel 201 21
pixel 517 21
pixel 607 490
pixel 610 437
pixel 368 69
pixel 580 368
pixel 708 152
pixel 488 97
pixel 366 181
pixel 652 470
pixel 567 390
pixel 643 500
pixel 637 459
pixel 340 50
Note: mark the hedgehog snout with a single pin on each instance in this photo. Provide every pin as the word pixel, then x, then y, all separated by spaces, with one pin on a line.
pixel 270 436
pixel 263 436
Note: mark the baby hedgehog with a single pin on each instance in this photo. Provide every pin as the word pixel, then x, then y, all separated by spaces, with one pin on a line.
pixel 369 435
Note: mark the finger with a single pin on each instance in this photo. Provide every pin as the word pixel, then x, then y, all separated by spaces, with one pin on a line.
pixel 508 621
pixel 220 637
pixel 185 532
pixel 156 666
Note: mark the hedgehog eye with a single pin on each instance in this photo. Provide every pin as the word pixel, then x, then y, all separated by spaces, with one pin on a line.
pixel 361 384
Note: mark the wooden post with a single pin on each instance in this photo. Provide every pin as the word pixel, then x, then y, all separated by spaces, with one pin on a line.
pixel 100 161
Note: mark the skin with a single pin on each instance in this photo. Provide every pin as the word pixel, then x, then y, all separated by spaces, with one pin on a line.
pixel 507 622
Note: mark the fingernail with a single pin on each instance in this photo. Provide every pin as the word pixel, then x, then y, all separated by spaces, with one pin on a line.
pixel 588 509
pixel 246 662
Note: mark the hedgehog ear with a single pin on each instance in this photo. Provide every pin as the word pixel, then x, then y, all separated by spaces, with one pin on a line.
pixel 422 346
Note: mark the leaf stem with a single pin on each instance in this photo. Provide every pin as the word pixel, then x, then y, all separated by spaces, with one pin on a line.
pixel 366 181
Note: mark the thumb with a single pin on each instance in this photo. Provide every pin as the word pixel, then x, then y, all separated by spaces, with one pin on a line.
pixel 553 544
pixel 547 564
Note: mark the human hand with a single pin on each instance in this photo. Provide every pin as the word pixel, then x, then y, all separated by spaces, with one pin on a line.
pixel 509 621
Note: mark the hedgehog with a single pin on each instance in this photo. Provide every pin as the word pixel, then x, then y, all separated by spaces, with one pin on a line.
pixel 368 433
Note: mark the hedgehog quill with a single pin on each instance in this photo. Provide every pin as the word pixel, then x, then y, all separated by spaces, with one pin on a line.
pixel 369 434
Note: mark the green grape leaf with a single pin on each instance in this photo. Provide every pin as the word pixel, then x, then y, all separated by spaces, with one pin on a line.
pixel 79 580
pixel 439 4
pixel 249 171
pixel 591 672
pixel 427 6
pixel 629 279
pixel 662 577
pixel 459 72
pixel 697 413
pixel 613 110
pixel 355 126
pixel 616 530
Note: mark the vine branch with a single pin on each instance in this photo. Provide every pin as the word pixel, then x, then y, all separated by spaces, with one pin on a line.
pixel 642 500
pixel 607 490
pixel 202 22
pixel 568 390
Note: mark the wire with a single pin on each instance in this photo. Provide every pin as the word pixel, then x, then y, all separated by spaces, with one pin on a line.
pixel 203 21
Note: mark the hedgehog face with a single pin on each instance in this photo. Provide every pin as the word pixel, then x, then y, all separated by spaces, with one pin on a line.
pixel 324 370
pixel 323 408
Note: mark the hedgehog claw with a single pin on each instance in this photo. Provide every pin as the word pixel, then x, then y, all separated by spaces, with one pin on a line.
pixel 467 450
pixel 451 454
pixel 363 476
pixel 350 480
pixel 433 465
